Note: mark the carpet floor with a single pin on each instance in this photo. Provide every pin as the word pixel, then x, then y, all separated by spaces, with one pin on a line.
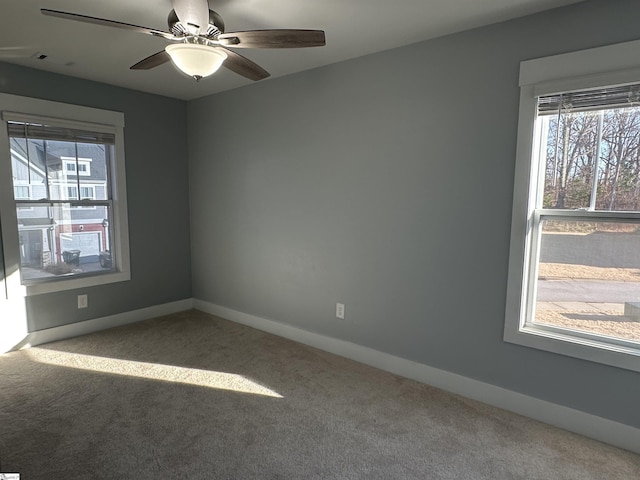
pixel 192 396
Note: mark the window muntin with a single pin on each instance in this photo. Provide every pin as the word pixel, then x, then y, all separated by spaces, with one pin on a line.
pixel 58 236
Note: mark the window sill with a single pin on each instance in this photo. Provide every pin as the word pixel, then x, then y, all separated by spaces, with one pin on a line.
pixel 564 343
pixel 75 283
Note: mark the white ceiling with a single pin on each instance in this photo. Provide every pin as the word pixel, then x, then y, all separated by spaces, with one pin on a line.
pixel 353 28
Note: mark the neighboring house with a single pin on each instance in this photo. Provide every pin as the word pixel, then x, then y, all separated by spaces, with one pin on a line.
pixel 51 234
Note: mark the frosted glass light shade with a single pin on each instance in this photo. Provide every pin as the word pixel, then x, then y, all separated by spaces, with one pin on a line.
pixel 196 60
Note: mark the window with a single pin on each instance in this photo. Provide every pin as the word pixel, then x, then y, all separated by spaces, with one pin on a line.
pixel 86 193
pixel 78 166
pixel 21 192
pixel 61 231
pixel 574 272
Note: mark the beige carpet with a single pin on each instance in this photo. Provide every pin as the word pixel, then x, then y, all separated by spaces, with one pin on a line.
pixel 191 396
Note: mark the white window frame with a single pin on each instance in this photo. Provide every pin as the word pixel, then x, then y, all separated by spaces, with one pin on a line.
pixel 72 116
pixel 605 66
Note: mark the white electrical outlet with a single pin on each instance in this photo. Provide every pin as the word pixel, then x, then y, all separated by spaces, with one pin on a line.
pixel 340 310
pixel 83 301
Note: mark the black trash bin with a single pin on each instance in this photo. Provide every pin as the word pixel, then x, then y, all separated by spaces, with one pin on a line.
pixel 71 257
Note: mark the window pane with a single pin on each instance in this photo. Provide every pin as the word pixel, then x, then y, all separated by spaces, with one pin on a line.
pixel 68 165
pixel 96 171
pixel 589 277
pixel 618 175
pixel 592 159
pixel 28 169
pixel 57 241
pixel 61 169
pixel 570 152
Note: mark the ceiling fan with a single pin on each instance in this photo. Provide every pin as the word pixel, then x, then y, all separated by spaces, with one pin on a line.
pixel 201 45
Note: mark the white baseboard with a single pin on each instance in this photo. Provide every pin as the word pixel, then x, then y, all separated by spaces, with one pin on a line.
pixel 598 428
pixel 89 326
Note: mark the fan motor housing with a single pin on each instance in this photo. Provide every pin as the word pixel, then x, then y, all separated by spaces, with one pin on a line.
pixel 215 27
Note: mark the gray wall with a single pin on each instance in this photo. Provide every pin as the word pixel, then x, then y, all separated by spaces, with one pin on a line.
pixel 385 182
pixel 157 190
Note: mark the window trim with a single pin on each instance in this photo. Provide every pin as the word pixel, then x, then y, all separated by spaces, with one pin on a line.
pixel 72 116
pixel 610 65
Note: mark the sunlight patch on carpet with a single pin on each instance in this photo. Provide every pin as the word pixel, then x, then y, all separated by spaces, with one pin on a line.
pixel 152 371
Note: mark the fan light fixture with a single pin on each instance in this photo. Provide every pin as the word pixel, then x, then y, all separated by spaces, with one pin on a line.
pixel 196 60
pixel 202 44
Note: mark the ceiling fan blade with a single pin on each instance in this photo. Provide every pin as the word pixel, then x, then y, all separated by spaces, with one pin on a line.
pixel 107 23
pixel 273 39
pixel 193 14
pixel 152 61
pixel 243 66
